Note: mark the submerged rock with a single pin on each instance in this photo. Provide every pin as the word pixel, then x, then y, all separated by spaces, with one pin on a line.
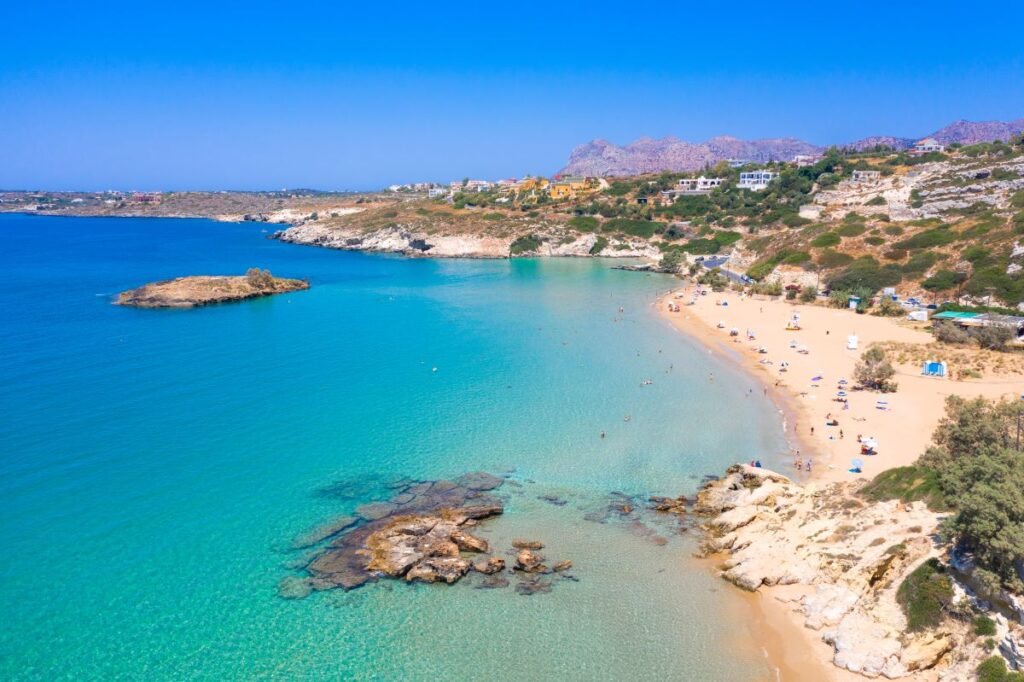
pixel 490 565
pixel 493 582
pixel 519 543
pixel 479 480
pixel 324 532
pixel 529 561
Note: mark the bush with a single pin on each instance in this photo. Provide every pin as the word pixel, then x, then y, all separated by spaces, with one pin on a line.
pixel 947 332
pixel 636 228
pixel 833 259
pixel 993 669
pixel 937 236
pixel 259 279
pixel 993 337
pixel 924 595
pixel 984 626
pixel 874 370
pixel 599 245
pixel 851 230
pixel 889 308
pixel 943 280
pixel 584 223
pixel 808 294
pixel 874 241
pixel 702 246
pixel 865 273
pixel 907 484
pixel 525 244
pixel 672 260
pixel 826 239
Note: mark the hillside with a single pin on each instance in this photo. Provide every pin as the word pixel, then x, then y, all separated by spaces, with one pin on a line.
pixel 600 157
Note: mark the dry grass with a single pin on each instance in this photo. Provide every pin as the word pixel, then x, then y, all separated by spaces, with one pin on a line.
pixel 965 362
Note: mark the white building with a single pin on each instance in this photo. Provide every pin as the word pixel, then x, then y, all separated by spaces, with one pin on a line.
pixel 477 186
pixel 804 160
pixel 436 192
pixel 697 185
pixel 756 180
pixel 927 145
pixel 867 176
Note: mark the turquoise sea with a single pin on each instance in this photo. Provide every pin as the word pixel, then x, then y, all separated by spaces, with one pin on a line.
pixel 155 465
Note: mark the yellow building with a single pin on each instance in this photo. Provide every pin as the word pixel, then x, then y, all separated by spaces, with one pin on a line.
pixel 530 184
pixel 561 190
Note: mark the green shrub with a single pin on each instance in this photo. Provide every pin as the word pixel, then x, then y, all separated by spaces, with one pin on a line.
pixel 907 484
pixel 830 258
pixel 826 239
pixel 493 216
pixel 851 230
pixel 636 228
pixel 705 247
pixel 893 230
pixel 937 236
pixel 874 241
pixel 924 595
pixel 725 237
pixel 876 201
pixel 794 220
pixel 867 274
pixel 919 263
pixel 525 244
pixel 943 280
pixel 993 669
pixel 599 245
pixel 984 626
pixel 584 223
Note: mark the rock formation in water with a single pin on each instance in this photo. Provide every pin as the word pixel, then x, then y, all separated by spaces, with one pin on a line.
pixel 189 292
pixel 421 534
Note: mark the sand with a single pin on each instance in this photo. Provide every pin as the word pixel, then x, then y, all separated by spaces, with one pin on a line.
pixel 903 430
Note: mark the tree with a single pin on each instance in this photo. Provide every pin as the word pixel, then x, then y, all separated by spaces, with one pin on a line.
pixel 982 476
pixel 259 279
pixel 671 260
pixel 874 370
pixel 993 337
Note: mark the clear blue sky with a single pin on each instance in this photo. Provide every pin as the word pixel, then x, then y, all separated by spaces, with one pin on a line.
pixel 267 95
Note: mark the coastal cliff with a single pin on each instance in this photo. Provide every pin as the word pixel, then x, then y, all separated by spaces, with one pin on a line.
pixel 409 241
pixel 838 562
pixel 190 292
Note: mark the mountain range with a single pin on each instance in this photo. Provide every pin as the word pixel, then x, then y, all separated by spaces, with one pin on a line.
pixel 647 155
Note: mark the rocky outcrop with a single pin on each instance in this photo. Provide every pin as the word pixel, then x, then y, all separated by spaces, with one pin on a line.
pixel 421 534
pixel 847 556
pixel 189 292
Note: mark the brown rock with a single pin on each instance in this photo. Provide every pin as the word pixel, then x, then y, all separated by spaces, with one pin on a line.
pixel 562 566
pixel 519 543
pixel 490 565
pixel 528 561
pixel 446 568
pixel 467 542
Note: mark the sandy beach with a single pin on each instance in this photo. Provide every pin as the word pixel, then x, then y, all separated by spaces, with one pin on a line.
pixel 903 430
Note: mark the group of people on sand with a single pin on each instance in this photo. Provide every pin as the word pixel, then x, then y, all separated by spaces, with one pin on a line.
pixel 802 464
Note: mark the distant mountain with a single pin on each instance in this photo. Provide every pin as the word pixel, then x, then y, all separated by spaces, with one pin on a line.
pixel 967 132
pixel 646 155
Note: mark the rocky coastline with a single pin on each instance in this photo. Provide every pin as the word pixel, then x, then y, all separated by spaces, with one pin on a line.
pixel 836 562
pixel 195 291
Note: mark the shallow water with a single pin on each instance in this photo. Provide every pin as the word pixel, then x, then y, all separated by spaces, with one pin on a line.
pixel 155 465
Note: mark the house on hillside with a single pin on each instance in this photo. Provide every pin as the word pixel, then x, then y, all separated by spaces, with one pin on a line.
pixel 756 180
pixel 437 192
pixel 477 186
pixel 866 176
pixel 805 160
pixel 532 184
pixel 926 146
pixel 701 185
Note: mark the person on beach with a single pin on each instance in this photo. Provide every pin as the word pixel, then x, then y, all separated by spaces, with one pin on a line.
pixel 840 434
pixel 808 465
pixel 812 430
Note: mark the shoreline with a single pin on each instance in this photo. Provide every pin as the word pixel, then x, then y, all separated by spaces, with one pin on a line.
pixel 771 619
pixel 791 411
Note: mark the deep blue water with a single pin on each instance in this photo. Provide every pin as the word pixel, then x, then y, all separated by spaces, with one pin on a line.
pixel 155 464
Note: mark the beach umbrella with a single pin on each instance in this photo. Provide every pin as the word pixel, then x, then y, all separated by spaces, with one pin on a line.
pixel 843 382
pixel 856 465
pixel 817 378
pixel 841 394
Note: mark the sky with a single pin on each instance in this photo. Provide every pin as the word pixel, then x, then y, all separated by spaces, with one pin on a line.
pixel 176 96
